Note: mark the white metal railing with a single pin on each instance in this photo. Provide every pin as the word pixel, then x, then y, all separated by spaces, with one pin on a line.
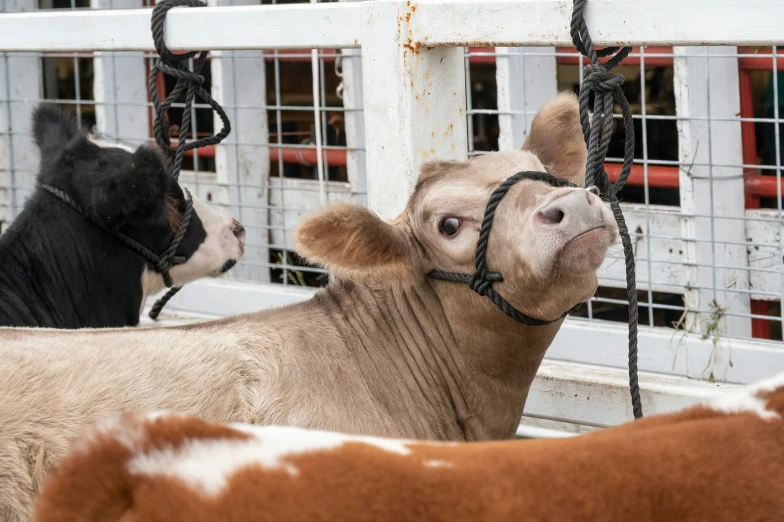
pixel 413 74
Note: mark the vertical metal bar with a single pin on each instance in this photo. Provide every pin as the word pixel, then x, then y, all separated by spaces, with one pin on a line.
pixel 10 163
pixel 710 176
pixel 469 104
pixel 195 136
pixel 314 67
pixel 646 187
pixel 777 136
pixel 279 122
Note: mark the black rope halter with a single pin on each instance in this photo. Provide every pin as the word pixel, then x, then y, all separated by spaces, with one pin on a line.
pixel 482 280
pixel 604 86
pixel 163 262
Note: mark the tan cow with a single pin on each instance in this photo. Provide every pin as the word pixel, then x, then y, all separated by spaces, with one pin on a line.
pixel 384 350
pixel 721 461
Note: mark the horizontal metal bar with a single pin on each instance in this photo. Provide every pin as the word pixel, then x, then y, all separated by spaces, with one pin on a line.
pixel 431 23
pixel 308 26
pixel 613 22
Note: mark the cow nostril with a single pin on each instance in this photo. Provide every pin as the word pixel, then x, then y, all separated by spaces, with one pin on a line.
pixel 551 215
pixel 239 232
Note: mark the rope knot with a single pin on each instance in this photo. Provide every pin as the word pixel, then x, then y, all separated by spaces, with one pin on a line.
pixel 481 282
pixel 598 78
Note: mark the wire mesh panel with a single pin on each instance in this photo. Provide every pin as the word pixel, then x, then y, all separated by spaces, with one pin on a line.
pixel 703 202
pixel 296 144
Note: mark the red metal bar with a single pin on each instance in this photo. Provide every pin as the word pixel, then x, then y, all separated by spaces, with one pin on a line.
pixel 651 58
pixel 759 63
pixel 762 186
pixel 658 176
pixel 300 55
pixel 307 157
pixel 290 155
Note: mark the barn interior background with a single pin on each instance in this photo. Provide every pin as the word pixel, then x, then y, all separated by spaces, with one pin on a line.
pixel 703 203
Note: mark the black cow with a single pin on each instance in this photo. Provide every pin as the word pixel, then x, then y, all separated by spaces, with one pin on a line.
pixel 62 269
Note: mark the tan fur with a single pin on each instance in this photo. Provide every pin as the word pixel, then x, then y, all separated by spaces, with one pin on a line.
pixel 173 216
pixel 382 351
pixel 365 241
pixel 555 124
pixel 700 465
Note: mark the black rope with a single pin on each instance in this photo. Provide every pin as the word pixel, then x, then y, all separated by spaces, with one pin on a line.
pixel 606 86
pixel 164 262
pixel 190 81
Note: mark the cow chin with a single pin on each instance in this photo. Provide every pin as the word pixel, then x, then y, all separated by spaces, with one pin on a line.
pixel 585 252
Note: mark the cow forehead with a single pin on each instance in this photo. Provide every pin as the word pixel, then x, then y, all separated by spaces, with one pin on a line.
pixel 473 180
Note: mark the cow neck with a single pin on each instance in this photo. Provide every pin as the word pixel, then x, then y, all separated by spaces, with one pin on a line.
pixel 451 372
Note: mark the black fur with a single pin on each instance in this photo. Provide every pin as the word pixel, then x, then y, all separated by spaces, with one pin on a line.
pixel 57 268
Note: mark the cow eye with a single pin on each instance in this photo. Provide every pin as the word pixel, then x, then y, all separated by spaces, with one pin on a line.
pixel 450 226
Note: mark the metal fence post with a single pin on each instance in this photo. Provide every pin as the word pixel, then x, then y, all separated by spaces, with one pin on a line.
pixel 526 79
pixel 120 89
pixel 242 159
pixel 712 189
pixel 415 106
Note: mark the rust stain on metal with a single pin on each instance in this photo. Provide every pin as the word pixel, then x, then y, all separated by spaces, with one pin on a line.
pixel 412 46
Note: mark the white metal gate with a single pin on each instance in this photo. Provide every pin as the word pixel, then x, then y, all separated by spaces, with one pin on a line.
pixel 706 205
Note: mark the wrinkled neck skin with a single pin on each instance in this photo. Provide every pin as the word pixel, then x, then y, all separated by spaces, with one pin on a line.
pixel 438 355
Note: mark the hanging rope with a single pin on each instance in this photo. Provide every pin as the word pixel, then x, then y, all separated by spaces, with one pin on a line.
pixel 176 65
pixel 606 86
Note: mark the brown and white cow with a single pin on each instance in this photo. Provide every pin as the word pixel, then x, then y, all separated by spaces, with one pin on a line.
pixel 721 461
pixel 384 350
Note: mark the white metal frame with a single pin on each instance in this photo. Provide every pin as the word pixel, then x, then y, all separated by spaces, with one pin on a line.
pixel 413 81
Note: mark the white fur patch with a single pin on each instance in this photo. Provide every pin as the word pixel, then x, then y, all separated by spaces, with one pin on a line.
pixel 106 144
pixel 438 464
pixel 752 398
pixel 219 246
pixel 208 464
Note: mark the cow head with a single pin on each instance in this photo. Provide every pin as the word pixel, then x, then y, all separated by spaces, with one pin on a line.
pixel 134 192
pixel 546 242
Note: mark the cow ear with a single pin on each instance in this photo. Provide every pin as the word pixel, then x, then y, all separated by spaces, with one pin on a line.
pixel 556 138
pixel 136 191
pixel 53 128
pixel 355 244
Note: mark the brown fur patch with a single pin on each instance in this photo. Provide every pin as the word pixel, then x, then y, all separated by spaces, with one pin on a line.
pixel 173 216
pixel 775 401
